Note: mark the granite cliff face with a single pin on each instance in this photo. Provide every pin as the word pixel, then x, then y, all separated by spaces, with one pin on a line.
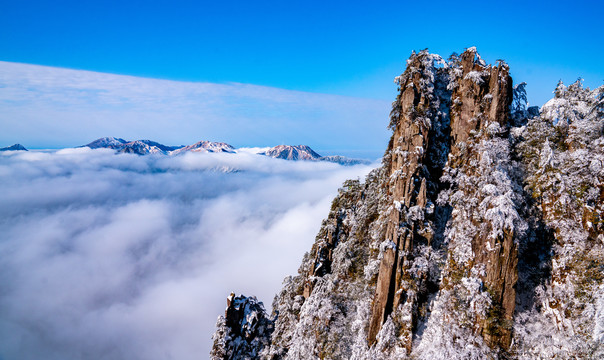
pixel 457 246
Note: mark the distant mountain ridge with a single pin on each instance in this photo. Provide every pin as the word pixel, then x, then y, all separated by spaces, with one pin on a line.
pixel 144 147
pixel 285 152
pixel 147 147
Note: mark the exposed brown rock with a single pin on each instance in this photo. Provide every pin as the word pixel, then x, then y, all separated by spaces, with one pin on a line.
pixel 409 147
pixel 482 96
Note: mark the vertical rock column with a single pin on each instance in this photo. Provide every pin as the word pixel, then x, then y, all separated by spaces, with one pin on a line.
pixel 407 188
pixel 481 99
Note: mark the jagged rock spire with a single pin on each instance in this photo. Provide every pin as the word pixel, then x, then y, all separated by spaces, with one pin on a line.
pixel 471 96
pixel 244 330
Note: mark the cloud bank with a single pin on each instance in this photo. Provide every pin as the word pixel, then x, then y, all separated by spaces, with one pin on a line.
pixel 107 256
pixel 52 107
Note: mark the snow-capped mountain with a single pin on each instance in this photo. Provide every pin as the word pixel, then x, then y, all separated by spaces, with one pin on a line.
pixel 107 142
pixel 14 147
pixel 292 152
pixel 286 152
pixel 481 236
pixel 205 146
pixel 144 147
pixel 140 147
pixel 304 152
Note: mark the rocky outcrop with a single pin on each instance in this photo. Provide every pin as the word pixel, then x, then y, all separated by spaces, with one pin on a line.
pixel 458 246
pixel 244 330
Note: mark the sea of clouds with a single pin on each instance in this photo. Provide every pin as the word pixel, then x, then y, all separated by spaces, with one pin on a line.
pixel 107 256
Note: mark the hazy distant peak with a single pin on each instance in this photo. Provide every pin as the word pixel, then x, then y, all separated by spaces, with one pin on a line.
pixel 304 152
pixel 292 152
pixel 107 142
pixel 14 147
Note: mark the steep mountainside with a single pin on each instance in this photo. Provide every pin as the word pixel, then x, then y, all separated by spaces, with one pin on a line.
pixel 479 237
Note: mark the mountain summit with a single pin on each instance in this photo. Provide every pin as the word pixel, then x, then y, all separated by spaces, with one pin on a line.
pixel 304 152
pixel 480 236
pixel 292 152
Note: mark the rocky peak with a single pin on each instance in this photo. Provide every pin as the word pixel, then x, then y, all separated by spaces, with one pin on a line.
pixel 244 330
pixel 441 107
pixel 423 259
pixel 481 96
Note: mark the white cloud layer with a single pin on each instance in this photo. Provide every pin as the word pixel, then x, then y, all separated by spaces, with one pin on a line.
pixel 53 107
pixel 106 256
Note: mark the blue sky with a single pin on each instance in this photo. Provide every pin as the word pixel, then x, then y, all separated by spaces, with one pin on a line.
pixel 351 48
pixel 343 47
